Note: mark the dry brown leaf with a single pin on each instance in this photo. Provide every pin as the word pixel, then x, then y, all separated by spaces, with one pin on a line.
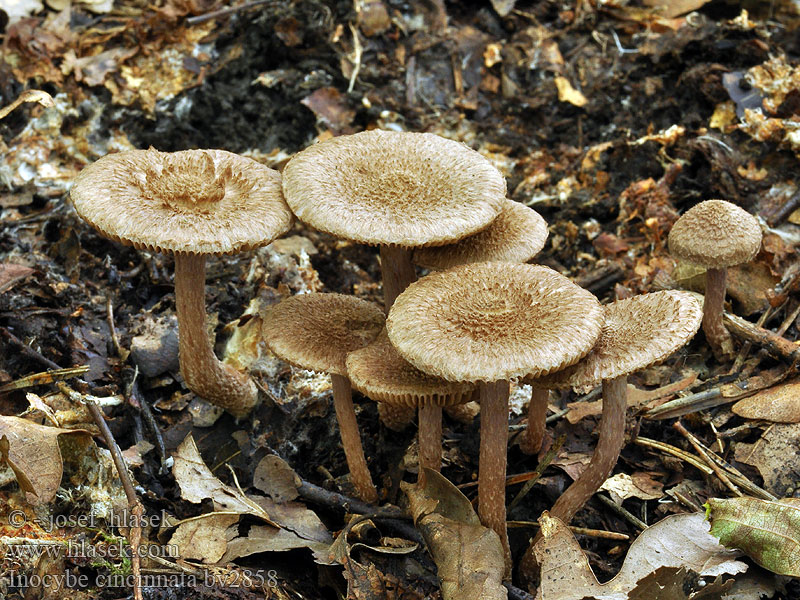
pixel 468 556
pixel 205 538
pixel 775 456
pixel 269 539
pixel 31 450
pixel 780 404
pixel 10 274
pixel 276 478
pixel 623 486
pixel 198 483
pixel 677 541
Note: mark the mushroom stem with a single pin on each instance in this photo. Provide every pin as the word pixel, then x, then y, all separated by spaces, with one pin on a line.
pixel 430 436
pixel 537 414
pixel 609 444
pixel 719 338
pixel 492 462
pixel 203 373
pixel 351 439
pixel 398 273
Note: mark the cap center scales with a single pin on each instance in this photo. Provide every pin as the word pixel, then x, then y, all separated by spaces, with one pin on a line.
pixel 186 184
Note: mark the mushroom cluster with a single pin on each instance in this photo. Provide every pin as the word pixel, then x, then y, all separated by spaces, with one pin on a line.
pixel 482 318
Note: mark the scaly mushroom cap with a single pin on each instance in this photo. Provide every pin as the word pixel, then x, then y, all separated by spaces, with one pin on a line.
pixel 317 331
pixel 715 234
pixel 193 201
pixel 516 236
pixel 395 188
pixel 638 332
pixel 492 321
pixel 380 373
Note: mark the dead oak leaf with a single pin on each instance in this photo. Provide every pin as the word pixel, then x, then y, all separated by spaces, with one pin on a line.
pixel 679 541
pixel 31 451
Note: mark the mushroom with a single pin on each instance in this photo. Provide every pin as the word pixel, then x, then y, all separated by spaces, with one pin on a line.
pixel 638 332
pixel 516 235
pixel 715 234
pixel 316 332
pixel 192 204
pixel 380 373
pixel 487 323
pixel 397 190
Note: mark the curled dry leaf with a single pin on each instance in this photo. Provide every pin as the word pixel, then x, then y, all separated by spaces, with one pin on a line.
pixel 768 532
pixel 31 451
pixel 198 483
pixel 469 556
pixel 679 541
pixel 780 404
pixel 623 486
pixel 276 478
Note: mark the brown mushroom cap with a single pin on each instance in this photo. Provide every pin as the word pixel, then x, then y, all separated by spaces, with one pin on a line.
pixel 715 234
pixel 317 331
pixel 380 373
pixel 493 321
pixel 193 201
pixel 638 332
pixel 395 188
pixel 516 235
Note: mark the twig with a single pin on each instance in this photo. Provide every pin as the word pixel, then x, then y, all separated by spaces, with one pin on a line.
pixel 784 211
pixel 121 352
pixel 622 512
pixel 356 60
pixel 133 396
pixel 27 350
pixel 745 349
pixel 223 12
pixel 676 452
pixel 136 508
pixel 595 533
pixel 704 455
pixel 778 346
pixel 44 378
pixel 688 404
pixel 543 464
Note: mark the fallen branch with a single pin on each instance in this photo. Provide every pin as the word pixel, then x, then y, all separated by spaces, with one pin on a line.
pixel 776 345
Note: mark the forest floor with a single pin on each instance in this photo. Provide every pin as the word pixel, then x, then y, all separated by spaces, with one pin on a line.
pixel 610 119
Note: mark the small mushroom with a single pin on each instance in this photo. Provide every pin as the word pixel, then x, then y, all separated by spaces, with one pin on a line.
pixel 380 373
pixel 316 332
pixel 191 204
pixel 638 332
pixel 715 234
pixel 516 235
pixel 487 323
pixel 396 190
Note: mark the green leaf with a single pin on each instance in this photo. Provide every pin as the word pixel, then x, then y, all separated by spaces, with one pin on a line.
pixel 768 532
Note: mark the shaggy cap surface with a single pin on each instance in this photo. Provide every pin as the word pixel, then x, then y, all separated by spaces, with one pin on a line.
pixel 317 331
pixel 193 201
pixel 380 373
pixel 715 234
pixel 395 188
pixel 492 321
pixel 516 235
pixel 638 332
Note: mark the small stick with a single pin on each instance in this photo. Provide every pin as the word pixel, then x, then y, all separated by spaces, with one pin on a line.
pixel 784 211
pixel 622 512
pixel 595 533
pixel 133 396
pixel 27 350
pixel 745 349
pixel 136 508
pixel 778 346
pixel 543 464
pixel 44 378
pixel 688 404
pixel 677 452
pixel 706 459
pixel 223 12
pixel 121 352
